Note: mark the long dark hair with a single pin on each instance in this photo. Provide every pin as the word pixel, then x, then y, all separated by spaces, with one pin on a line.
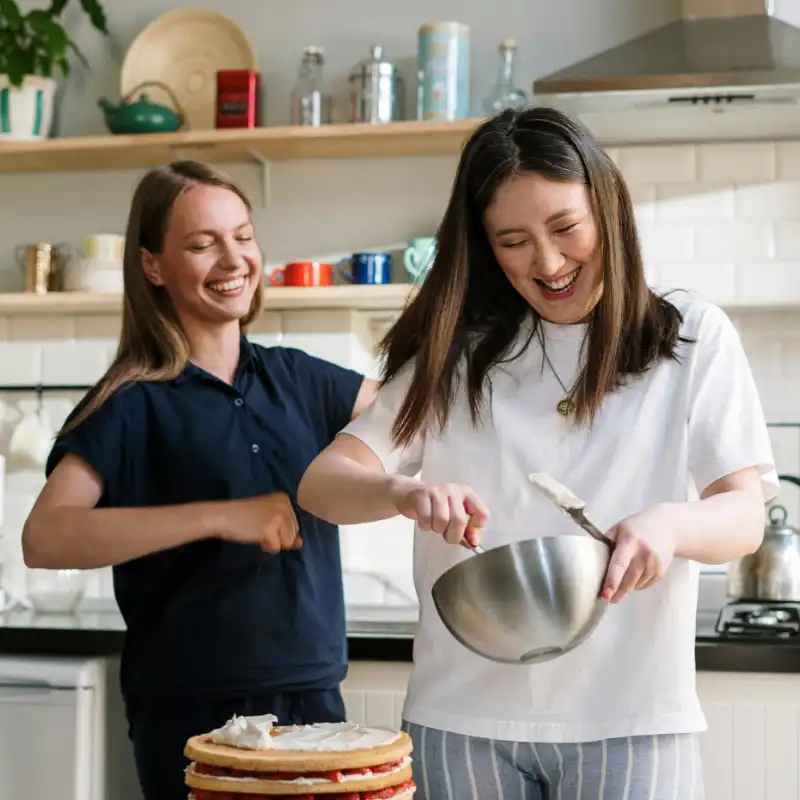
pixel 152 344
pixel 467 309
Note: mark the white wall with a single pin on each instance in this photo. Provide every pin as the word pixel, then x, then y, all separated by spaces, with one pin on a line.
pixel 724 219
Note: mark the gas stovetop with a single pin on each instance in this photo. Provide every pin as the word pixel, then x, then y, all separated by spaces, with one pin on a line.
pixel 759 621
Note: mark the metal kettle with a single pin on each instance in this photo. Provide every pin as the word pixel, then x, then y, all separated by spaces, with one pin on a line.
pixel 772 573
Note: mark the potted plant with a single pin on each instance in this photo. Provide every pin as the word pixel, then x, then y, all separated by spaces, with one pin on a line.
pixel 32 46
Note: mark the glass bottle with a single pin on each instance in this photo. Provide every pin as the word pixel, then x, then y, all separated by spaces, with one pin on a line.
pixel 505 94
pixel 310 104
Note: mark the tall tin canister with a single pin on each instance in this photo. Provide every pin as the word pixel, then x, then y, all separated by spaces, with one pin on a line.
pixel 443 72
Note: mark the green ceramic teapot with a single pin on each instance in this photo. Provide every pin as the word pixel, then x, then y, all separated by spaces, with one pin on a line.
pixel 142 115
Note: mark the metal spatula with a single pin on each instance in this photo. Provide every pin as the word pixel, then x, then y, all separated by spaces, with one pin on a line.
pixel 568 502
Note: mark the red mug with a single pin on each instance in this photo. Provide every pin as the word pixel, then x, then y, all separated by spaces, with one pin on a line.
pixel 302 273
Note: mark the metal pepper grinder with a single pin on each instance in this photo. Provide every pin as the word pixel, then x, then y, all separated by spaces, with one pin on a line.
pixel 376 90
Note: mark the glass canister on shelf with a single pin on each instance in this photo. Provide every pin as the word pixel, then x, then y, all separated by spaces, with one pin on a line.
pixel 443 57
pixel 505 94
pixel 376 90
pixel 311 106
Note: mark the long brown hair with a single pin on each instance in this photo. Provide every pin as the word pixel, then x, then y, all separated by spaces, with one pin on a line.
pixel 468 310
pixel 152 344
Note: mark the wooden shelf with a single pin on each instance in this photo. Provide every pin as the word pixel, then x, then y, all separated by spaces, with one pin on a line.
pixel 367 298
pixel 360 140
pixel 357 298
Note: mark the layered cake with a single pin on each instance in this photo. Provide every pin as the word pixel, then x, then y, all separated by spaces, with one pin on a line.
pixel 251 758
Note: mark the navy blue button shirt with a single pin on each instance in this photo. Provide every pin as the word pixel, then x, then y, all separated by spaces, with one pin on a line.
pixel 214 617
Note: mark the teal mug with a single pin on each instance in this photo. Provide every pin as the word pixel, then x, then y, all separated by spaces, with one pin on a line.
pixel 418 257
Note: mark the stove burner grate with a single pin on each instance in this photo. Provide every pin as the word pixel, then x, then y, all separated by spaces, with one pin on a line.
pixel 759 620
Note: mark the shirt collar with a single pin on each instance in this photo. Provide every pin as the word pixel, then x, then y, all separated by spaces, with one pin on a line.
pixel 247 360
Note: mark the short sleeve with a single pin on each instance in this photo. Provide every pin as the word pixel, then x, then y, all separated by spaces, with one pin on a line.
pixel 332 388
pixel 727 428
pixel 374 427
pixel 100 440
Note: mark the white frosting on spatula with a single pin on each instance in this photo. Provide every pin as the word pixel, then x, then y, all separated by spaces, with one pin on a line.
pixel 559 494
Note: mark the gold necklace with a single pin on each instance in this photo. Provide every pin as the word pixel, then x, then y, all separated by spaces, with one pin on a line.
pixel 566 406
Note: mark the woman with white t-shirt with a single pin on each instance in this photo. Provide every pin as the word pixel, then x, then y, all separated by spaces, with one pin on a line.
pixel 536 345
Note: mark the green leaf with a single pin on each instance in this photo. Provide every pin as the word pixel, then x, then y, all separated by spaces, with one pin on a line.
pixel 44 66
pixel 8 41
pixel 78 54
pixel 53 38
pixel 96 13
pixel 18 66
pixel 65 66
pixel 10 13
pixel 56 7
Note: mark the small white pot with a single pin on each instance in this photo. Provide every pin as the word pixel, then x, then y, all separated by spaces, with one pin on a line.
pixel 27 112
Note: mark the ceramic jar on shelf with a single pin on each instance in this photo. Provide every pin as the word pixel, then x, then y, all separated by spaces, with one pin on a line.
pixel 98 267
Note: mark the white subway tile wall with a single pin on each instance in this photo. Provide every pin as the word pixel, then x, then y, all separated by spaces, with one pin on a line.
pixel 720 219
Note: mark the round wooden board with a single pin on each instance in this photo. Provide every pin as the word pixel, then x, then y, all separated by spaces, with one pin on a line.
pixel 203 750
pixel 228 786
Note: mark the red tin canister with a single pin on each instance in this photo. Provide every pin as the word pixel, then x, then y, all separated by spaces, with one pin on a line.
pixel 238 104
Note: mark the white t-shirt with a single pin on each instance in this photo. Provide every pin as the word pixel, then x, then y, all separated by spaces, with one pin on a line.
pixel 664 437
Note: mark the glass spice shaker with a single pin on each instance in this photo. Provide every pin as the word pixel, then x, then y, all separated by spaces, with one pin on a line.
pixel 505 93
pixel 310 104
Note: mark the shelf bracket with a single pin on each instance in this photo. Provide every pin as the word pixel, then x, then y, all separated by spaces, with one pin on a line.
pixel 266 174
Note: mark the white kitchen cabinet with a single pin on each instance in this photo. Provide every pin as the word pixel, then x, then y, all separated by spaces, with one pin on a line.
pixel 69 711
pixel 52 706
pixel 750 752
pixel 752 748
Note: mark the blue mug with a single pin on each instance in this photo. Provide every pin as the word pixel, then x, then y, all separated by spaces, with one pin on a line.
pixel 372 268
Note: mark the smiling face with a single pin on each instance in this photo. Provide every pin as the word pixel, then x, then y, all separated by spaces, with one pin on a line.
pixel 546 240
pixel 210 264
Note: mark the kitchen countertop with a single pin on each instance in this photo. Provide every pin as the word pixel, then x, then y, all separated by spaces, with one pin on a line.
pixel 379 633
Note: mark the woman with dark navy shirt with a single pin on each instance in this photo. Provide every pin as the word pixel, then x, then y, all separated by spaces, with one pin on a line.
pixel 180 469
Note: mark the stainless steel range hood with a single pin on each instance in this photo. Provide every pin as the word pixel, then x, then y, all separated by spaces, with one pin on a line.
pixel 727 70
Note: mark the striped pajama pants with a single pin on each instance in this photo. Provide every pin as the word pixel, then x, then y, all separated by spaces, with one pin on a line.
pixel 449 766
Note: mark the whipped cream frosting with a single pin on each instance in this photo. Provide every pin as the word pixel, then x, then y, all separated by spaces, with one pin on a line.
pixel 557 492
pixel 302 781
pixel 332 736
pixel 247 733
pixel 260 733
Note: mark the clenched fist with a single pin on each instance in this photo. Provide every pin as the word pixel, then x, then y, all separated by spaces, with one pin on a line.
pixel 268 520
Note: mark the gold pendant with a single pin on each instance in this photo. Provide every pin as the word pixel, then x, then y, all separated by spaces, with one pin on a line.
pixel 565 407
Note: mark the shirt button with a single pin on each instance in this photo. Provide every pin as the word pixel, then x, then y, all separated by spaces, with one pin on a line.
pixel 254 448
pixel 238 401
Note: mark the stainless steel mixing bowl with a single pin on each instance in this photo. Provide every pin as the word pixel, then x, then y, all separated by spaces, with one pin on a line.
pixel 525 602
